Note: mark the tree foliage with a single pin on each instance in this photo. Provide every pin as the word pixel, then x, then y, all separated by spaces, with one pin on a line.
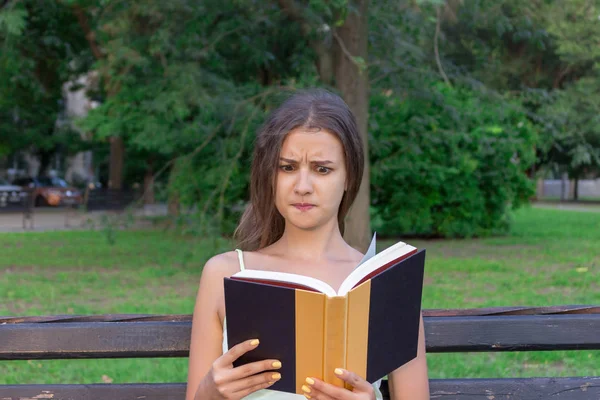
pixel 545 54
pixel 450 164
pixel 39 40
pixel 467 97
pixel 573 114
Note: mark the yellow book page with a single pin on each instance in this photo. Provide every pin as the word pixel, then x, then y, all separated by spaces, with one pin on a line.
pixel 335 338
pixel 358 329
pixel 310 317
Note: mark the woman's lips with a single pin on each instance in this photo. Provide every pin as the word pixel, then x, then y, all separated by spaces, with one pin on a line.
pixel 303 206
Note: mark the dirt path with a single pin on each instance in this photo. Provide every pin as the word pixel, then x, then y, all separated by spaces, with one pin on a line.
pixel 58 219
pixel 585 207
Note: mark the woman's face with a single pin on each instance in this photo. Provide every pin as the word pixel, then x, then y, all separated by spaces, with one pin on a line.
pixel 311 178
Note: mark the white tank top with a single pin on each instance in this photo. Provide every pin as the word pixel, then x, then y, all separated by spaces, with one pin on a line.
pixel 267 394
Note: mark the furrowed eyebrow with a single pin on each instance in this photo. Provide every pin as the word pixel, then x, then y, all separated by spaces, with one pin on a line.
pixel 289 160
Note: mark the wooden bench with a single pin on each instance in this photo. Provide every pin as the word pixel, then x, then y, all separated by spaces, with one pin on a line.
pixel 109 199
pixel 468 330
pixel 24 206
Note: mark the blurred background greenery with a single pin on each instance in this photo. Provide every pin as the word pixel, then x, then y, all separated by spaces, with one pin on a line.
pixel 469 102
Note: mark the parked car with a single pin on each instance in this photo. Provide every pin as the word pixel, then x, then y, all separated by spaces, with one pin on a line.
pixel 50 191
pixel 10 194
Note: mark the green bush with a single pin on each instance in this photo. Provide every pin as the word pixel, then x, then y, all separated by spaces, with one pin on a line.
pixel 449 162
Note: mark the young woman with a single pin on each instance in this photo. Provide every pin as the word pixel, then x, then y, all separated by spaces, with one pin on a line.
pixel 306 172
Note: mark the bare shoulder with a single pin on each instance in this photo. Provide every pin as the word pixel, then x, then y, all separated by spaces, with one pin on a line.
pixel 221 266
pixel 210 291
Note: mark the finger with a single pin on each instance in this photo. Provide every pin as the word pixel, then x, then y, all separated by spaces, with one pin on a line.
pixel 315 394
pixel 253 368
pixel 357 382
pixel 255 380
pixel 245 392
pixel 236 352
pixel 321 390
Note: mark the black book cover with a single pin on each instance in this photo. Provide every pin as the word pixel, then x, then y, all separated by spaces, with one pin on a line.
pixel 394 316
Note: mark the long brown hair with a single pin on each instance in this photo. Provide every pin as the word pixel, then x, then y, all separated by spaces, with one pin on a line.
pixel 262 224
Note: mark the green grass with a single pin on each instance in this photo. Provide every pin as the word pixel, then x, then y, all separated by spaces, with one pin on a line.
pixel 550 258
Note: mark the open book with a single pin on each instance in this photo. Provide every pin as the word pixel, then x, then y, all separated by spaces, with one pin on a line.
pixel 369 326
pixel 364 271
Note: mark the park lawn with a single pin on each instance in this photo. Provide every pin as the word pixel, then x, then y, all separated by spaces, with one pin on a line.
pixel 550 258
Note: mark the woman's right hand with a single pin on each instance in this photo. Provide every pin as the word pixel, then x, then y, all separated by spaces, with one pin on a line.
pixel 224 381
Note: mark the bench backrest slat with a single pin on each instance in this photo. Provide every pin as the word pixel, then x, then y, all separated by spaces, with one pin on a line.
pixel 513 333
pixel 94 340
pixel 171 339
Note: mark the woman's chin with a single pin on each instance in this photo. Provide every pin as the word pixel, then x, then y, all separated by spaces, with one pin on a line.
pixel 306 224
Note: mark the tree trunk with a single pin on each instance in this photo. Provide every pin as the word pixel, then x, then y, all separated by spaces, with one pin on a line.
pixel 352 41
pixel 571 195
pixel 173 206
pixel 45 157
pixel 324 62
pixel 117 155
pixel 117 146
pixel 149 184
pixel 563 187
pixel 539 192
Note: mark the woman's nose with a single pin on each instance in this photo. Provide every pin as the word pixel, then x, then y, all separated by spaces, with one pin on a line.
pixel 303 184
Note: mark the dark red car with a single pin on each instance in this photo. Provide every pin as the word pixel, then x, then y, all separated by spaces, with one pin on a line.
pixel 50 191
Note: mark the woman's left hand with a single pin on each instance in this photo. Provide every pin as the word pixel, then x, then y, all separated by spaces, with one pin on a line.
pixel 316 389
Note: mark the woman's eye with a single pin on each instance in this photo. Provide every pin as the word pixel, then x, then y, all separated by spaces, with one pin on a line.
pixel 323 170
pixel 286 168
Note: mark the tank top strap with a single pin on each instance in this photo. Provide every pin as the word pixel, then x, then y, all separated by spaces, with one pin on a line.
pixel 241 259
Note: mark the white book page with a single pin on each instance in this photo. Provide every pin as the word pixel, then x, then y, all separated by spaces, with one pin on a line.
pixel 283 277
pixel 372 264
pixel 371 251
